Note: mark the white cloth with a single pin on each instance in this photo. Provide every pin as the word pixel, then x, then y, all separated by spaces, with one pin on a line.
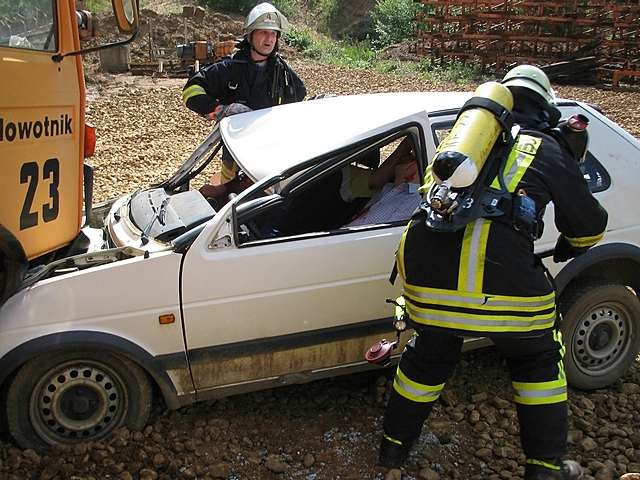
pixel 391 204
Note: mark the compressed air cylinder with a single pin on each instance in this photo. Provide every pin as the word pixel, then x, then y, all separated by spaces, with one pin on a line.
pixel 461 155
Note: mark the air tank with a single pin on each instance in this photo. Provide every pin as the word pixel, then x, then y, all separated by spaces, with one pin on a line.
pixel 464 151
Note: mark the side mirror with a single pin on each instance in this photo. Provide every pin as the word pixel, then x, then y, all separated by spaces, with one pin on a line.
pixel 126 12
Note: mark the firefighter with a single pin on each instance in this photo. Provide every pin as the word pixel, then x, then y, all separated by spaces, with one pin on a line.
pixel 254 77
pixel 484 280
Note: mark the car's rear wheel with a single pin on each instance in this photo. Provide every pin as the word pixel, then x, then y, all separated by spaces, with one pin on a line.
pixel 69 397
pixel 601 329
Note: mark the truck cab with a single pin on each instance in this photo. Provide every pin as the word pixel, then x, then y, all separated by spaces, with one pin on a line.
pixel 44 137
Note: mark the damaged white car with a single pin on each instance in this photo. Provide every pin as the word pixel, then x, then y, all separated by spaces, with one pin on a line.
pixel 287 281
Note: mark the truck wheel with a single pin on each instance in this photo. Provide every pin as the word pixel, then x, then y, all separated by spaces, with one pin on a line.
pixel 70 397
pixel 601 330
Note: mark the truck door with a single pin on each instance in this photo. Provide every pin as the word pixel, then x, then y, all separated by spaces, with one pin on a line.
pixel 41 125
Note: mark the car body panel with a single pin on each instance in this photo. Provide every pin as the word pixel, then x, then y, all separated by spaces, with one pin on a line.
pixel 124 299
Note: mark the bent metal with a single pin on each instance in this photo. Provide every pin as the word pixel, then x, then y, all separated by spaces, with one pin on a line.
pixel 10 131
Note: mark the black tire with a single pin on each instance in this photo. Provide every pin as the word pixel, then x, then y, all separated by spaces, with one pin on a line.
pixel 68 397
pixel 601 330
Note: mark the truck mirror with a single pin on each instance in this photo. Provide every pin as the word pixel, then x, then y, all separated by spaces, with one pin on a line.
pixel 126 12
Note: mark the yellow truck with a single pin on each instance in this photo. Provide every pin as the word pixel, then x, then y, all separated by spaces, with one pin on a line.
pixel 44 137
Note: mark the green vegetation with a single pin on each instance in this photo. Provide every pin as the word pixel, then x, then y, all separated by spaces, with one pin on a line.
pixel 394 21
pixel 363 55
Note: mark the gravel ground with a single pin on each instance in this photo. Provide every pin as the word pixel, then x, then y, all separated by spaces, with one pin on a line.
pixel 327 429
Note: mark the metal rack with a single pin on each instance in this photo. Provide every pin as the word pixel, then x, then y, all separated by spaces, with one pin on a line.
pixel 500 33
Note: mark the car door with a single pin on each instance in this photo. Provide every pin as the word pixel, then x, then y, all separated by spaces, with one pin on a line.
pixel 286 309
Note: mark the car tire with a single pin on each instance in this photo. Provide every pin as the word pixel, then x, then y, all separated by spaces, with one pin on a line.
pixel 74 396
pixel 601 330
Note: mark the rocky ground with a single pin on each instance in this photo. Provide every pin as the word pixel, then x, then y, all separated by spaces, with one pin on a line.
pixel 327 429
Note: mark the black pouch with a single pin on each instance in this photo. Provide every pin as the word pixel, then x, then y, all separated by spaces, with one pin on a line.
pixel 524 214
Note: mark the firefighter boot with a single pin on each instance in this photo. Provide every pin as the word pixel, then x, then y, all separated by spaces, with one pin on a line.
pixel 393 453
pixel 566 470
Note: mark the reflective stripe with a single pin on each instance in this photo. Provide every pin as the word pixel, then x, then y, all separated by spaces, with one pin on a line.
pixel 580 242
pixel 192 91
pixel 478 300
pixel 550 466
pixel 400 255
pixel 480 322
pixel 228 172
pixel 393 440
pixel 519 159
pixel 415 391
pixel 472 256
pixel 544 393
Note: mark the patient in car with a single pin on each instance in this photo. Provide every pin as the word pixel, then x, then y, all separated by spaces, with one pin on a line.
pixel 396 200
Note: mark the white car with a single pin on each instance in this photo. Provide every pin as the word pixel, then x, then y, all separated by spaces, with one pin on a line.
pixel 283 284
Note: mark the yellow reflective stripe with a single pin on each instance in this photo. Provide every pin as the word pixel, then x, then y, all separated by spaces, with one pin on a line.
pixel 520 158
pixel 391 439
pixel 400 255
pixel 488 303
pixel 581 242
pixel 472 256
pixel 192 91
pixel 543 393
pixel 228 172
pixel 462 298
pixel 480 322
pixel 550 466
pixel 414 391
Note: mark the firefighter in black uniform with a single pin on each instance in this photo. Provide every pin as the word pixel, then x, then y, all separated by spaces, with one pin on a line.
pixel 484 280
pixel 255 77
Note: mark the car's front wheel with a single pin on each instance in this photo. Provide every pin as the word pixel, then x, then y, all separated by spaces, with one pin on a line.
pixel 601 330
pixel 69 397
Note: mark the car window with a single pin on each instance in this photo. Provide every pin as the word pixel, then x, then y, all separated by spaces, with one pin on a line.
pixel 28 24
pixel 370 186
pixel 595 174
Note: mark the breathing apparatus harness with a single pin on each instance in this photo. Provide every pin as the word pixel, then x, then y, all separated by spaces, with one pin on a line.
pixel 451 209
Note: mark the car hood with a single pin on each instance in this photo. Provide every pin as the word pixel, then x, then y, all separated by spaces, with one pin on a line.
pixel 267 142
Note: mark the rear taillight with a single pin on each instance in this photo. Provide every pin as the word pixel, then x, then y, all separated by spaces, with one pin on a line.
pixel 89 140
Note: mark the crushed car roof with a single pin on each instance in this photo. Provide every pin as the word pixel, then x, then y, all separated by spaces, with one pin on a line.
pixel 266 142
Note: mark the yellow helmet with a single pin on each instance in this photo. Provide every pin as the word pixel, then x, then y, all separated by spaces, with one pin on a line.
pixel 265 17
pixel 533 78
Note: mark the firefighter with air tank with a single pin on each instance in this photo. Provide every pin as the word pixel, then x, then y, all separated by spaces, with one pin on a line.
pixel 468 269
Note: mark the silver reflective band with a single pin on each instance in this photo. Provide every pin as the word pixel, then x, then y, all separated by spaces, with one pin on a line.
pixel 488 300
pixel 451 318
pixel 418 393
pixel 541 393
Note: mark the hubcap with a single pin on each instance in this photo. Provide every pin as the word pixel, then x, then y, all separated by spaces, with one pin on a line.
pixel 77 401
pixel 602 338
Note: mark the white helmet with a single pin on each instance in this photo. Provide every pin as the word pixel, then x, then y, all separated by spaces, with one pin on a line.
pixel 265 17
pixel 532 78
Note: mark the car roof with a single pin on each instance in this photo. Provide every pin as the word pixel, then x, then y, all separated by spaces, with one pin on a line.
pixel 267 142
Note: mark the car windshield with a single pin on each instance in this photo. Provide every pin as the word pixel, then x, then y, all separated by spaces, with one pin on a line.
pixel 197 161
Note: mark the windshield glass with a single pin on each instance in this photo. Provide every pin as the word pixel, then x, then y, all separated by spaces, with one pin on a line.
pixel 28 24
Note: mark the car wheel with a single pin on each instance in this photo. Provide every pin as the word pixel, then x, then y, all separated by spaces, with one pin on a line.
pixel 601 330
pixel 69 397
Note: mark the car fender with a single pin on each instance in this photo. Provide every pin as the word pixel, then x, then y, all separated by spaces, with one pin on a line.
pixel 159 368
pixel 626 256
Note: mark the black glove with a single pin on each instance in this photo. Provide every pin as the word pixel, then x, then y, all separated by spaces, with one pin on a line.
pixel 563 250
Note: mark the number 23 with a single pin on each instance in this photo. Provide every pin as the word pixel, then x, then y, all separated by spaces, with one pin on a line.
pixel 29 174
